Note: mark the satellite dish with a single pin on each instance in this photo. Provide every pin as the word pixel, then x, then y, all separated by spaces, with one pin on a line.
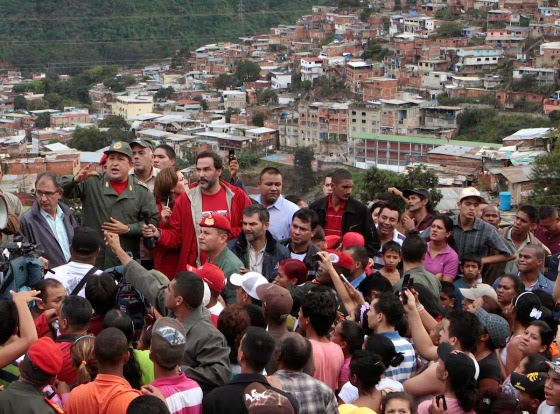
pixel 3 213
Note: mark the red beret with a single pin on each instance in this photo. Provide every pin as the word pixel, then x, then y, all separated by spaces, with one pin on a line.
pixel 340 259
pixel 353 239
pixel 216 221
pixel 332 241
pixel 46 355
pixel 211 274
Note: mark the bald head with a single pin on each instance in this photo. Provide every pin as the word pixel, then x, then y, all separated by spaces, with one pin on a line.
pixel 293 351
pixel 491 215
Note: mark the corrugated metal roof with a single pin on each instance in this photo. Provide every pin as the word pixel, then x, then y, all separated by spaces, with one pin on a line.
pixel 449 149
pixel 517 174
pixel 422 140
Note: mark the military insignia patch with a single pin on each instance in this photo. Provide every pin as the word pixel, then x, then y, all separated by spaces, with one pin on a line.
pixel 118 145
pixel 209 221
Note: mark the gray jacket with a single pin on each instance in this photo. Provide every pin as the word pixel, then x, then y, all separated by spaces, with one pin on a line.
pixel 206 358
pixel 35 229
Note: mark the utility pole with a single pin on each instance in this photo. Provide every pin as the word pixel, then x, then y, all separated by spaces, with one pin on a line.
pixel 241 14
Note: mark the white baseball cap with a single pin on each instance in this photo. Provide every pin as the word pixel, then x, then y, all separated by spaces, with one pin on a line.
pixel 249 282
pixel 471 192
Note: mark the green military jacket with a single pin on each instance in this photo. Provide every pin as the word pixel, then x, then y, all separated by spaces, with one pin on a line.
pixel 100 202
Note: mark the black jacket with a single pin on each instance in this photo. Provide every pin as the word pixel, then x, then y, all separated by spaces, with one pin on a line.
pixel 273 253
pixel 230 398
pixel 308 259
pixel 356 218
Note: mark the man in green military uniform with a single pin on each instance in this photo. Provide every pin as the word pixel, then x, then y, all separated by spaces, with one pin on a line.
pixel 113 201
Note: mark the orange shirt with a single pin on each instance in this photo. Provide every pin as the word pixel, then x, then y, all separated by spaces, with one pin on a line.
pixel 107 394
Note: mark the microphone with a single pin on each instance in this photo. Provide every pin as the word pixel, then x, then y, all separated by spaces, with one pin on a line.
pixel 150 241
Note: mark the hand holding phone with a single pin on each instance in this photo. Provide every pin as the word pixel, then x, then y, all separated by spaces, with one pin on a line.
pixel 404 286
pixel 441 397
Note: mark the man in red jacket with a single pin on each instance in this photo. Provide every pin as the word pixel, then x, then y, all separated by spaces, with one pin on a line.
pixel 209 195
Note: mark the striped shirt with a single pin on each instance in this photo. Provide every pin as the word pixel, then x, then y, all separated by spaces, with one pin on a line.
pixel 408 366
pixel 333 221
pixel 183 395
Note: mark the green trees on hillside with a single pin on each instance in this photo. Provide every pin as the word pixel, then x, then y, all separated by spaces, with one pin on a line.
pixel 546 177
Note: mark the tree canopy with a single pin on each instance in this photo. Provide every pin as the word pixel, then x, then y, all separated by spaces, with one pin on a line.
pixel 546 178
pixel 247 71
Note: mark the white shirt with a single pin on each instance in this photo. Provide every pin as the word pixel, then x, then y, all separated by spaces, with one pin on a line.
pixel 281 213
pixel 70 275
pixel 544 408
pixel 216 309
pixel 349 393
pixel 255 259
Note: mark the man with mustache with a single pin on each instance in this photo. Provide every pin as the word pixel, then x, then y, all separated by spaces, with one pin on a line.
pixel 209 196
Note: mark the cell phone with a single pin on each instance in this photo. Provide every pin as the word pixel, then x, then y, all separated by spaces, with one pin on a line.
pixel 441 397
pixel 344 278
pixel 231 155
pixel 316 257
pixel 404 286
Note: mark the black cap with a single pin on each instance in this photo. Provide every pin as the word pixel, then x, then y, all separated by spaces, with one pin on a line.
pixel 85 241
pixel 421 192
pixel 532 383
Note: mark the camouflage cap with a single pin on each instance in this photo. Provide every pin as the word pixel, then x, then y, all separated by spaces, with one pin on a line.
pixel 120 147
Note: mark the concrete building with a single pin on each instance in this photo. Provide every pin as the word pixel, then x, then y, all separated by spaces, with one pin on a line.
pixel 65 119
pixel 311 69
pixel 234 99
pixel 379 88
pixel 478 58
pixel 364 117
pixel 543 76
pixel 130 107
pixel 398 116
pixel 323 122
pixel 281 80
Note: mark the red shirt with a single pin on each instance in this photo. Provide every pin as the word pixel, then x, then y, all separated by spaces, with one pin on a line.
pixel 553 243
pixel 68 372
pixel 119 187
pixel 166 259
pixel 215 203
pixel 333 221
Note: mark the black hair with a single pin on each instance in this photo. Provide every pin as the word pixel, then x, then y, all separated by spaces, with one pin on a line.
pixel 293 198
pixel 466 327
pixel 518 285
pixel 46 284
pixel 110 346
pixel 118 319
pixel 218 163
pixel 368 368
pixel 101 291
pixel 269 170
pixel 534 363
pixel 546 333
pixel 257 346
pixel 391 245
pixel 471 257
pixel 523 304
pixel 258 209
pixel 430 302
pixel 381 345
pixel 10 320
pixel 449 289
pixel 190 287
pixel 491 401
pixel 256 315
pixel 340 175
pixel 391 206
pixel 546 298
pixel 77 311
pixel 353 334
pixel 307 216
pixel 531 212
pixel 55 179
pixel 465 389
pixel 413 248
pixel 447 224
pixel 547 211
pixel 375 282
pixel 295 351
pixel 398 396
pixel 147 404
pixel 33 373
pixel 359 254
pixel 390 306
pixel 146 337
pixel 168 150
pixel 377 204
pixel 320 307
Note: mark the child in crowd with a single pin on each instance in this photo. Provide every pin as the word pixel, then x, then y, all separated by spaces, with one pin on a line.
pixel 350 337
pixel 398 403
pixel 447 296
pixel 391 255
pixel 471 266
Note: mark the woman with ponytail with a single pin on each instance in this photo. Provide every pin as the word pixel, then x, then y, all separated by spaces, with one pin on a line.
pixel 366 370
pixel 83 359
pixel 382 346
pixel 526 308
pixel 456 370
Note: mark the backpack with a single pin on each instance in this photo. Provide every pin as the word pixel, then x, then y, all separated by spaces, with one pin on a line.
pixel 130 300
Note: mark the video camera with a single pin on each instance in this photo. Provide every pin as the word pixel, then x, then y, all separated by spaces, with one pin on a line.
pixel 20 267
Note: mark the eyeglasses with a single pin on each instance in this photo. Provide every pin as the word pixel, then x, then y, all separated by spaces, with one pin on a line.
pixel 49 194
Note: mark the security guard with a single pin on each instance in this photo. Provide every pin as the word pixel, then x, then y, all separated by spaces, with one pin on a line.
pixel 113 201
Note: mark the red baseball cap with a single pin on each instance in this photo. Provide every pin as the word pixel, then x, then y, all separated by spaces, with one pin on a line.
pixel 332 241
pixel 211 274
pixel 340 259
pixel 353 239
pixel 45 354
pixel 216 221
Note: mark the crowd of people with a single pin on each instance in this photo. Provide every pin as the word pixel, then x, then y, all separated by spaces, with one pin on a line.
pixel 268 304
